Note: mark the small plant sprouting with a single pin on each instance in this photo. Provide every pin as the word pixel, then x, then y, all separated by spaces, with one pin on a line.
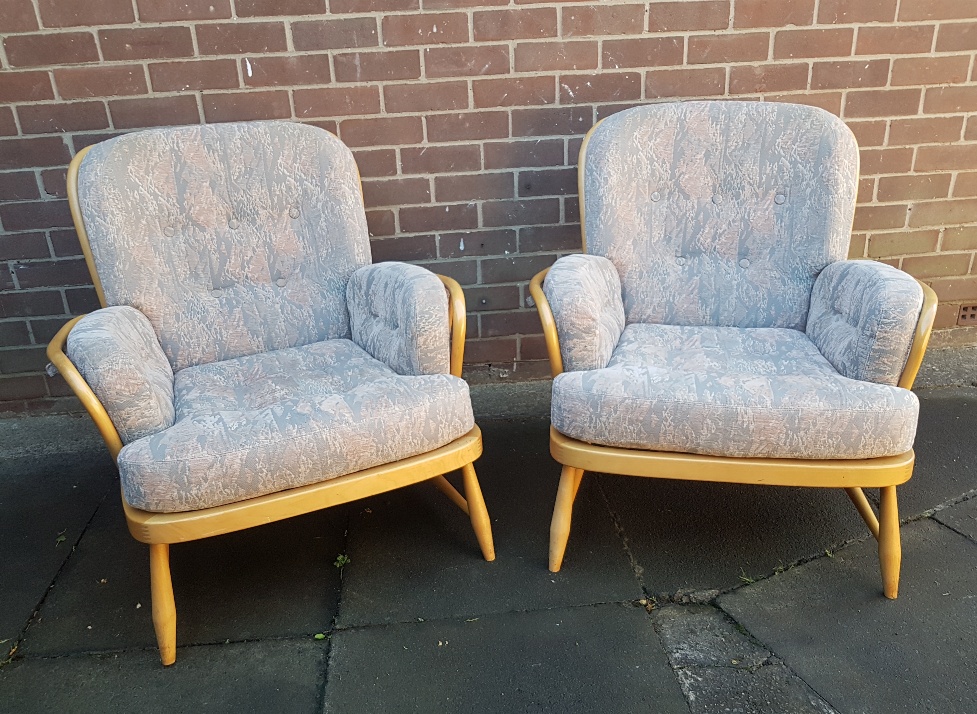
pixel 341 560
pixel 319 636
pixel 746 578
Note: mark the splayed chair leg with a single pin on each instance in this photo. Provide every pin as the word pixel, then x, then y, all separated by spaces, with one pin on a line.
pixel 890 547
pixel 478 513
pixel 164 607
pixel 562 514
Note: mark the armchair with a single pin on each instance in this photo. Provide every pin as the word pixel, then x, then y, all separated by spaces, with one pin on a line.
pixel 713 329
pixel 249 363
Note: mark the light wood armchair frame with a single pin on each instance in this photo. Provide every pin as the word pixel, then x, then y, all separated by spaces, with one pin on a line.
pixel 851 475
pixel 160 530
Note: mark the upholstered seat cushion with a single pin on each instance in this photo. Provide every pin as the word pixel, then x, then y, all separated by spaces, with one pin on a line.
pixel 262 423
pixel 728 391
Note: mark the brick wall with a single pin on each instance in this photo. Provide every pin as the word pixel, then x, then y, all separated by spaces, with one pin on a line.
pixel 466 117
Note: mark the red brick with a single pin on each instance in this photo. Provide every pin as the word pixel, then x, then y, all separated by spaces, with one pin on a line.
pixel 937 266
pixel 379 6
pixel 381 162
pixel 467 126
pixel 55 182
pixel 66 116
pixel 500 350
pixel 965 185
pixel 335 34
pixel 514 91
pixel 866 190
pixel 535 239
pixel 495 297
pixel 946 157
pixel 460 245
pixel 461 4
pixel 396 192
pixel 880 217
pixel 28 304
pixel 59 13
pixel 466 61
pixel 643 52
pixel 688 15
pixel 550 56
pixel 551 122
pixel 915 187
pixel 515 269
pixel 18 186
pixel 246 106
pixel 440 159
pixel 931 130
pixel 7 125
pixel 603 87
pixel 381 223
pixel 381 131
pixel 453 217
pixel 157 111
pixel 504 25
pixel 585 20
pixel 511 322
pixel 662 83
pixel 942 100
pixel 65 243
pixel 758 79
pixel 50 49
pixel 935 10
pixel 849 74
pixel 832 42
pixel 956 37
pixel 194 75
pixel 425 98
pixel 334 102
pixel 772 13
pixel 886 245
pixel 946 316
pixel 81 300
pixel 955 289
pixel 464 271
pixel 234 38
pixel 970 133
pixel 105 81
pixel 882 102
pixel 17 16
pixel 146 43
pixel 32 153
pixel 518 213
pixel 549 182
pixel 377 66
pixel 515 154
pixel 177 10
pixel 292 70
pixel 474 187
pixel 907 39
pixel 51 273
pixel 25 86
pixel 35 215
pixel 277 8
pixel 404 248
pixel 886 161
pixel 847 12
pixel 425 29
pixel 930 70
pixel 742 47
pixel 960 238
pixel 944 213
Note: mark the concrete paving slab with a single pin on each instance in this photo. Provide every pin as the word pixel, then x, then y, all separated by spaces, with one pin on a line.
pixel 273 676
pixel 827 620
pixel 274 581
pixel 45 504
pixel 414 555
pixel 772 689
pixel 588 659
pixel 962 518
pixel 704 536
pixel 704 636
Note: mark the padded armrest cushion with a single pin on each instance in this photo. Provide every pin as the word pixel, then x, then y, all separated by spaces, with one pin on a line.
pixel 119 355
pixel 584 293
pixel 399 314
pixel 863 318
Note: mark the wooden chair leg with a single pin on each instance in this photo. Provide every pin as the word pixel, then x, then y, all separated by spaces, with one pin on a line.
pixel 478 513
pixel 864 508
pixel 890 547
pixel 562 513
pixel 445 487
pixel 164 607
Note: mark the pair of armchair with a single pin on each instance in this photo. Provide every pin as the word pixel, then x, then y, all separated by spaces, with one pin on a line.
pixel 250 363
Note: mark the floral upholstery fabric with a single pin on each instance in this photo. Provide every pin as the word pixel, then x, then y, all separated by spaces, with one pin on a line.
pixel 719 213
pixel 232 239
pixel 863 318
pixel 264 423
pixel 118 354
pixel 399 314
pixel 727 391
pixel 584 293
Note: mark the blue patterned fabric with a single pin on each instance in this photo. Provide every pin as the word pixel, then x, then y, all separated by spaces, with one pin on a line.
pixel 727 391
pixel 863 317
pixel 399 314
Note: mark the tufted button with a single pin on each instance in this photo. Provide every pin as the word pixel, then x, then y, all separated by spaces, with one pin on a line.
pixel 717 199
pixel 168 231
pixel 293 212
pixel 680 260
pixel 216 293
pixel 281 282
pixel 779 198
pixel 232 224
pixel 656 196
pixel 744 263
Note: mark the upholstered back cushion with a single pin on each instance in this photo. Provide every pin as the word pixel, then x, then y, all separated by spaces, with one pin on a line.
pixel 232 239
pixel 719 213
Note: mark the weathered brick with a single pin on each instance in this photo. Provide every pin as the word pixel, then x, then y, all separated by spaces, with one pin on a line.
pixel 233 38
pixel 343 33
pixel 829 42
pixel 31 153
pixel 548 182
pixel 425 29
pixel 80 141
pixel 931 130
pixel 643 52
pixel 553 55
pixel 24 246
pixel 378 162
pixel 504 25
pixel 848 74
pixel 140 43
pixel 946 157
pixel 955 289
pixel 519 213
pixel 440 159
pixel 21 387
pixel 688 15
pixel 81 300
pixel 453 217
pixel 50 49
pixel 194 75
pixel 943 100
pixel 467 126
pixel 514 269
pixel 551 121
pixel 58 13
pixel 67 116
pixel 970 133
pixel 28 304
pixel 25 86
pixel 499 350
pixel 886 245
pixel 496 297
pixel 882 40
pixel 7 125
pixel 515 154
pixel 404 248
pixel 465 61
pixel 847 12
pixel 866 190
pixel 425 98
pixel 946 316
pixel 759 79
pixel 473 187
pixel 396 192
pixel 772 13
pixel 514 91
pixel 377 66
pixel 512 322
pixel 937 266
pixel 477 243
pixel 378 6
pixel 960 238
pixel 706 82
pixel 880 217
pixel 602 87
pixel 741 47
pixel 338 101
pixel 65 243
pixel 944 213
pixel 156 111
pixel 381 131
pixel 536 239
pixel 105 81
pixel 956 37
pixel 177 10
pixel 17 16
pixel 585 20
pixel 51 273
pixel 930 70
pixel 965 185
pixel 910 10
pixel 914 187
pixel 882 102
pixel 277 8
pixel 15 333
pixel 868 133
pixel 294 70
pixel 246 106
pixel 55 182
pixel 35 215
pixel 18 186
pixel 381 223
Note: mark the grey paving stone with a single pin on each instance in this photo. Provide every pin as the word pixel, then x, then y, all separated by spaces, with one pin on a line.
pixel 772 689
pixel 276 676
pixel 704 636
pixel 272 581
pixel 42 499
pixel 414 554
pixel 698 535
pixel 588 659
pixel 827 620
pixel 962 518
